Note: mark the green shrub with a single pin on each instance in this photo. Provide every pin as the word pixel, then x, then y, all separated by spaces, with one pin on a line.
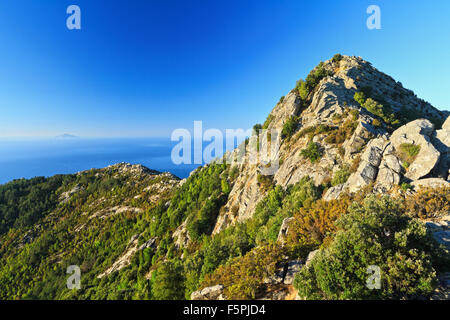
pixel 376 123
pixel 265 181
pixel 355 164
pixel 314 225
pixel 268 121
pixel 406 186
pixel 234 172
pixel 312 152
pixel 376 233
pixel 355 114
pixel 305 87
pixel 380 109
pixel 265 209
pixel 314 130
pixel 344 132
pixel 428 203
pixel 257 128
pixel 341 176
pixel 289 127
pixel 337 57
pixel 277 205
pixel 407 153
pixel 360 97
pixel 410 149
pixel 244 276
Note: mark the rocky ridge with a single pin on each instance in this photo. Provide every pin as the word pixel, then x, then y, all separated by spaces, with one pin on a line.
pixel 330 104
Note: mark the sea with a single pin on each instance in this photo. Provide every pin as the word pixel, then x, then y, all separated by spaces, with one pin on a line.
pixel 47 157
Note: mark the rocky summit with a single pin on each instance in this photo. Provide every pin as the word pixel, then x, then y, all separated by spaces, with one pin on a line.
pixel 357 208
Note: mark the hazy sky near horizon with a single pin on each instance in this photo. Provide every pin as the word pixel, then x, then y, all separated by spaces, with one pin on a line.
pixel 145 68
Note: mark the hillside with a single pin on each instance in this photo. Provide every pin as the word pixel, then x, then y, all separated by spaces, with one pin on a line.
pixel 363 180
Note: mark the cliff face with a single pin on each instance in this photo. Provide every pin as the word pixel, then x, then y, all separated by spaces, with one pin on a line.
pixel 364 137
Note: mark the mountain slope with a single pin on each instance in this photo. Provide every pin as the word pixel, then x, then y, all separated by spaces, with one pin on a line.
pixel 348 135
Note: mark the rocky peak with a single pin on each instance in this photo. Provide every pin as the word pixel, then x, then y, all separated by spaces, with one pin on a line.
pixel 324 113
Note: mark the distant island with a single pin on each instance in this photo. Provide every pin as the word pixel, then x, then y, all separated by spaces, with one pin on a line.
pixel 66 136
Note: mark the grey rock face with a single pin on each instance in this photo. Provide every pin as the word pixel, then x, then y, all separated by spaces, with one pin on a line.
pixel 285 274
pixel 441 140
pixel 334 192
pixel 125 259
pixel 440 228
pixel 390 170
pixel 446 124
pixel 148 244
pixel 310 257
pixel 368 168
pixel 181 234
pixel 363 133
pixel 277 277
pixel 443 237
pixel 292 268
pixel 442 292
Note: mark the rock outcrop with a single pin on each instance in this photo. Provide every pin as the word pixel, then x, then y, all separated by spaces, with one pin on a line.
pixel 125 259
pixel 284 230
pixel 368 168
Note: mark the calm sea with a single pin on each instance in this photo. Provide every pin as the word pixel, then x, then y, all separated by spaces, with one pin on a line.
pixel 31 158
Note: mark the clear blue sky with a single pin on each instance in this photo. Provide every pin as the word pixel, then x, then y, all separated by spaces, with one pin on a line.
pixel 144 68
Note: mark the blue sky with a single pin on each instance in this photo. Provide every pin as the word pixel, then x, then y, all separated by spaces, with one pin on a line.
pixel 144 68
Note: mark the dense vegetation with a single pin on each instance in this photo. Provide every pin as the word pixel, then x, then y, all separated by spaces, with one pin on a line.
pixel 378 108
pixel 79 228
pixel 24 202
pixel 374 233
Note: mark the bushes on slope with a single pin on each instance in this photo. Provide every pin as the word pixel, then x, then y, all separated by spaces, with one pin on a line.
pixel 375 233
pixel 244 276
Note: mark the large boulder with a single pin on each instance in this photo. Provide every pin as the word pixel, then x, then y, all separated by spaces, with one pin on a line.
pixel 446 124
pixel 418 132
pixel 209 293
pixel 441 140
pixel 419 126
pixel 430 183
